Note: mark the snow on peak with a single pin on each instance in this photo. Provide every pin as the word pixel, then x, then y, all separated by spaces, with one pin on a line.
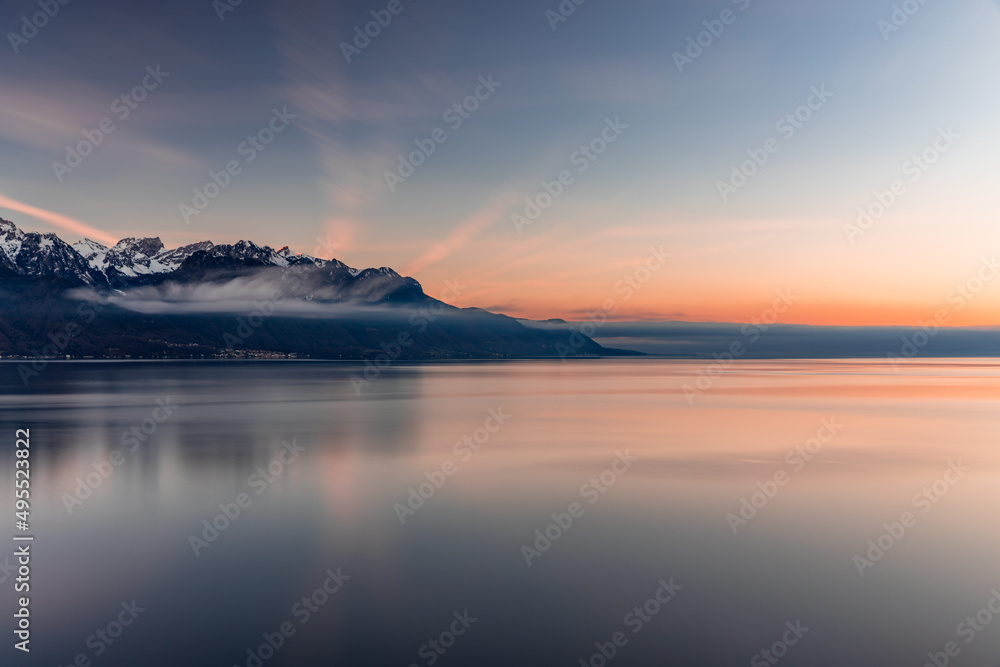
pixel 147 246
pixel 93 252
pixel 11 239
pixel 174 258
pixel 8 228
pixel 30 253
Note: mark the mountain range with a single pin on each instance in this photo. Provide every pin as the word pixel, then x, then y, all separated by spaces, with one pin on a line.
pixel 139 299
pixel 132 262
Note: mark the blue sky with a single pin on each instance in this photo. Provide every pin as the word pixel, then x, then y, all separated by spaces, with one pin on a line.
pixel 320 186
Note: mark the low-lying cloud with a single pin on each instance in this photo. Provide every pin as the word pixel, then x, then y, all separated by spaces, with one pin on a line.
pixel 301 298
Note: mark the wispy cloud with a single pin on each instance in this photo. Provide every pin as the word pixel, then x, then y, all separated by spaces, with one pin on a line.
pixel 57 220
pixel 464 232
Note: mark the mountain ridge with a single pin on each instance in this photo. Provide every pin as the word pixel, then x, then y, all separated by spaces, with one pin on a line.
pixel 144 261
pixel 204 300
pixel 36 254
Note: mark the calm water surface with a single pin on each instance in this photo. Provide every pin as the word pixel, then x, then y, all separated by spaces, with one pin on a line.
pixel 825 454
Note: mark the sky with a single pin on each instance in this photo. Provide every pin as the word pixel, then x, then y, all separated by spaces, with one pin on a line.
pixel 588 169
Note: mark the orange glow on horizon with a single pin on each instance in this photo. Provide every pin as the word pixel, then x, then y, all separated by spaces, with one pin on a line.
pixel 540 304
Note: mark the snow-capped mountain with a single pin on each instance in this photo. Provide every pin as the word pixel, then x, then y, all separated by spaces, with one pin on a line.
pixel 144 262
pixel 128 258
pixel 34 254
pixel 92 251
pixel 177 256
pixel 136 260
pixel 234 300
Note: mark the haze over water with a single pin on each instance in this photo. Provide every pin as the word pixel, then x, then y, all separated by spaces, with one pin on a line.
pixel 884 437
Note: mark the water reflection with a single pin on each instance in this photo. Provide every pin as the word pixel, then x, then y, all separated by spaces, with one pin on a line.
pixel 335 506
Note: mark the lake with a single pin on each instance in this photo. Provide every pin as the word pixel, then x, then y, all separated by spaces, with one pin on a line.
pixel 637 512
